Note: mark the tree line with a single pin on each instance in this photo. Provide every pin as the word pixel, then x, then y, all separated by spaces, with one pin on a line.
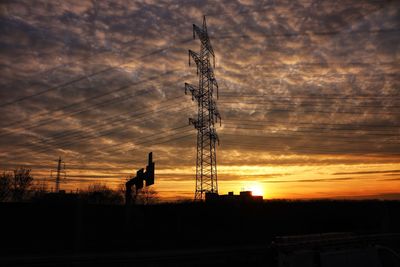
pixel 19 185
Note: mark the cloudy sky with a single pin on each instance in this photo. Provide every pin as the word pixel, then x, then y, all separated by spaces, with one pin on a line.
pixel 309 93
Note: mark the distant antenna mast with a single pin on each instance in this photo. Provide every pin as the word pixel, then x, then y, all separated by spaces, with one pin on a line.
pixel 60 169
pixel 207 115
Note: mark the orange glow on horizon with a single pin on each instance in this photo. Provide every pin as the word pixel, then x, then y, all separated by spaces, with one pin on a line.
pixel 281 182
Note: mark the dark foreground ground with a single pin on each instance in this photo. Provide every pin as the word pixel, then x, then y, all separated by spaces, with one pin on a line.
pixel 186 234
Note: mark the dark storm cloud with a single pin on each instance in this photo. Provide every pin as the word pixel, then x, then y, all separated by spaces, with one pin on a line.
pixel 305 74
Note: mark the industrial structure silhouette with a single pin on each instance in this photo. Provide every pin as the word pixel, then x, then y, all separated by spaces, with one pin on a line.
pixel 60 170
pixel 138 181
pixel 207 115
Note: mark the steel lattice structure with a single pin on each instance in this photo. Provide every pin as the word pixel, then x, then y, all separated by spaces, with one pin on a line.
pixel 207 115
pixel 59 171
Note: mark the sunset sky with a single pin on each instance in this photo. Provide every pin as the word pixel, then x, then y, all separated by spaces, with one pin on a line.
pixel 309 94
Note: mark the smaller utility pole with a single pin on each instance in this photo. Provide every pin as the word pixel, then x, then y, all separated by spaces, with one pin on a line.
pixel 60 169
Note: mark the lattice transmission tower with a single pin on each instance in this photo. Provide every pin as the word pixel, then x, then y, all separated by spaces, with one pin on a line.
pixel 60 170
pixel 207 115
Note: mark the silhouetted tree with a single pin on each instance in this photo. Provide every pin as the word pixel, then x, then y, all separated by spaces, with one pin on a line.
pixel 21 183
pixel 147 196
pixel 102 194
pixel 144 196
pixel 39 189
pixel 121 189
pixel 5 186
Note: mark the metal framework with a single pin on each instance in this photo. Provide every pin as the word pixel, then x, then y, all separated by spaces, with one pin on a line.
pixel 138 181
pixel 207 115
pixel 59 171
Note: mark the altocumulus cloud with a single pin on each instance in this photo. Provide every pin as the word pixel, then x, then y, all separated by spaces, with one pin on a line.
pixel 101 82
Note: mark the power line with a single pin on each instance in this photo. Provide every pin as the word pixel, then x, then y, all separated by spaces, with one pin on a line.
pixel 84 101
pixel 140 139
pixel 181 42
pixel 283 131
pixel 311 111
pixel 274 4
pixel 85 137
pixel 321 96
pixel 144 142
pixel 309 134
pixel 85 58
pixel 317 146
pixel 115 119
pixel 154 142
pixel 80 136
pixel 308 33
pixel 312 128
pixel 101 134
pixel 81 78
pixel 299 105
pixel 317 123
pixel 325 63
pixel 77 112
pixel 124 98
pixel 366 151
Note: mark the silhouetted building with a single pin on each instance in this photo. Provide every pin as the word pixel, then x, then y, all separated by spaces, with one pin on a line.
pixel 244 196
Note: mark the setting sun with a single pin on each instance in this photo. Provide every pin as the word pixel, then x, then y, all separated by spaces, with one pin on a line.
pixel 256 190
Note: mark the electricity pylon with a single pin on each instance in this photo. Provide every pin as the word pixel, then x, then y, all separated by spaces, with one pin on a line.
pixel 60 169
pixel 207 115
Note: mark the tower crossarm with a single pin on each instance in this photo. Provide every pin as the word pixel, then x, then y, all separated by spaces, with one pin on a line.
pixel 196 59
pixel 194 90
pixel 203 36
pixel 197 124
